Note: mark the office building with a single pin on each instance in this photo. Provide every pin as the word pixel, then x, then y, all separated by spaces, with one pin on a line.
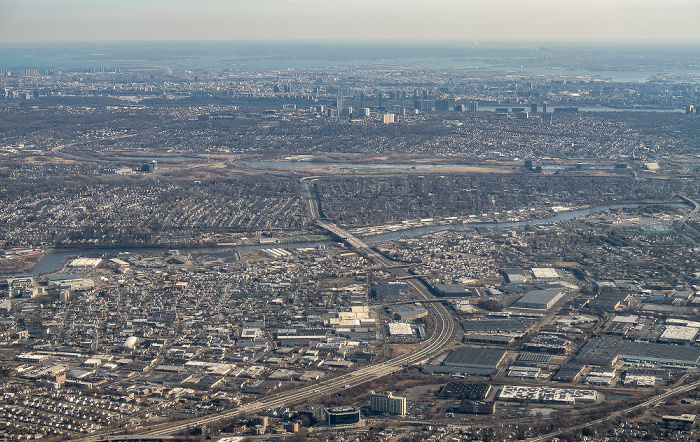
pixel 386 402
pixel 343 416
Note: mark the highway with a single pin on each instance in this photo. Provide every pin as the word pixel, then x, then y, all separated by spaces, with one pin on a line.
pixel 442 336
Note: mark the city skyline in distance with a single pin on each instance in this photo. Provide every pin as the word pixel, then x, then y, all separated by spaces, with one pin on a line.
pixel 360 20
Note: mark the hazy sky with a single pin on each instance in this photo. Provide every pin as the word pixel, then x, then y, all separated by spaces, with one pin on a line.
pixel 96 20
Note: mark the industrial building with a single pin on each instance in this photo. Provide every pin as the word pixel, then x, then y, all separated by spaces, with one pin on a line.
pixel 567 396
pixel 391 290
pixel 608 351
pixel 545 273
pixel 451 290
pixel 540 299
pixel 677 334
pixel 469 361
pixel 493 326
pixel 85 262
pixel 514 276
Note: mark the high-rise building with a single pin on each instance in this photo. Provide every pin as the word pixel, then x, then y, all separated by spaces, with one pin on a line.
pixel 533 108
pixel 363 112
pixel 388 118
pixel 386 402
pixel 444 105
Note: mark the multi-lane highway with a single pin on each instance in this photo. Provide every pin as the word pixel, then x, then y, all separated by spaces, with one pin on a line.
pixel 441 337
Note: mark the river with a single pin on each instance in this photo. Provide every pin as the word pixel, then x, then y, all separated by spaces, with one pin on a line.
pixel 53 261
pixel 560 216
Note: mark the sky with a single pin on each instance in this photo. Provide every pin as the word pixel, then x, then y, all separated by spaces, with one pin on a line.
pixel 177 20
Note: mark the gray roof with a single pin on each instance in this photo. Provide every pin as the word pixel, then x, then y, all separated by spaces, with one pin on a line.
pixel 481 357
pixel 603 351
pixel 539 296
pixel 493 325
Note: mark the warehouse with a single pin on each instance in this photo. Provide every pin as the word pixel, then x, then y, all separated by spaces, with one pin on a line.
pixel 607 351
pixel 545 273
pixel 676 334
pixel 493 326
pixel 540 299
pixel 469 361
pixel 85 262
pixel 451 290
pixel 514 276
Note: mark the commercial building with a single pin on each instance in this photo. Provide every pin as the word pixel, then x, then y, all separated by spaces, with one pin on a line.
pixel 567 396
pixel 314 412
pixel 338 416
pixel 400 329
pixel 386 402
pixel 408 312
pixel 463 390
pixel 477 407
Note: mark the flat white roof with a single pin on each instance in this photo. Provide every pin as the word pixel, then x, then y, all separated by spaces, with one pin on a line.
pixel 631 319
pixel 545 273
pixel 678 333
pixel 400 328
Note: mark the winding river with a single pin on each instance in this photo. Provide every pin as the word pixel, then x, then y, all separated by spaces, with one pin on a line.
pixel 53 261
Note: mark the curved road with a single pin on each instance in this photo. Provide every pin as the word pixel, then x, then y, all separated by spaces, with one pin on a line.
pixel 441 337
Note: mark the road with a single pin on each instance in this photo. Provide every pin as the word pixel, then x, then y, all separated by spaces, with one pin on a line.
pixel 696 207
pixel 646 404
pixel 442 336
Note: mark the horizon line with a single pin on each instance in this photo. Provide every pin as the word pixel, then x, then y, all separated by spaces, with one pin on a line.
pixel 474 41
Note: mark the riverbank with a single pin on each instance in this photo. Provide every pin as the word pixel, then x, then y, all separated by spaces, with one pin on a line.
pixel 53 260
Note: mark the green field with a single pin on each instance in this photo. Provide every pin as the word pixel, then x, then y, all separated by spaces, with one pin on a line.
pixel 304 238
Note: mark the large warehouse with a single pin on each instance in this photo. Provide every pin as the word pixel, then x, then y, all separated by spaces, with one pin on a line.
pixel 540 299
pixel 469 361
pixel 607 351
